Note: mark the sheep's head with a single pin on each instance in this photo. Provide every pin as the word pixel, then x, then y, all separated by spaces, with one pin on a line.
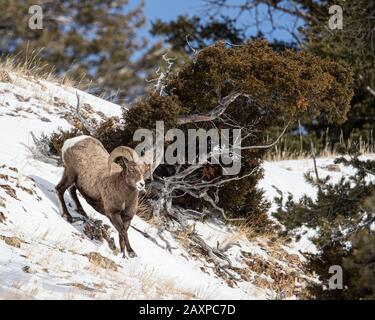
pixel 135 175
pixel 136 166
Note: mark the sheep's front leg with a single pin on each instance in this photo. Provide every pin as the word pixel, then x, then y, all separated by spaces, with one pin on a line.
pixel 126 219
pixel 122 229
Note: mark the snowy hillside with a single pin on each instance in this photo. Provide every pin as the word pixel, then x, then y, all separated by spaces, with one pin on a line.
pixel 42 256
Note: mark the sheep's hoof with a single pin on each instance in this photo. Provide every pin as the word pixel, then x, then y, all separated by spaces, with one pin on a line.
pixel 82 219
pixel 132 254
pixel 69 218
pixel 82 213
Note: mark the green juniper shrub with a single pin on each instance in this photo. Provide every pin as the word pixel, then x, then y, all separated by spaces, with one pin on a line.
pixel 360 265
pixel 343 215
pixel 278 87
pixel 353 45
pixel 57 139
pixel 356 257
pixel 110 133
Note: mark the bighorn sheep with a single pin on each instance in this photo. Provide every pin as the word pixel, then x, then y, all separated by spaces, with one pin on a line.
pixel 107 187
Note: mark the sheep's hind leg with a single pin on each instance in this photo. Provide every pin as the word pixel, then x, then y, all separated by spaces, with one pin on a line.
pixel 62 186
pixel 73 194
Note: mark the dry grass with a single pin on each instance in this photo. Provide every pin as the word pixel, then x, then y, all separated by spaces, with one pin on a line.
pixel 102 262
pixel 282 272
pixel 245 229
pixel 15 293
pixel 144 210
pixel 284 150
pixel 153 285
pixel 183 236
pixel 30 65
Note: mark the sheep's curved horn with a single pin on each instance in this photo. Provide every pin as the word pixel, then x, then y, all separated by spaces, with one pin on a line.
pixel 126 152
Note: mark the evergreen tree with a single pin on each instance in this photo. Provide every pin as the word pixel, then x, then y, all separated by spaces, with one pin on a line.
pixel 343 215
pixel 198 33
pixel 308 30
pixel 257 87
pixel 95 40
pixel 354 46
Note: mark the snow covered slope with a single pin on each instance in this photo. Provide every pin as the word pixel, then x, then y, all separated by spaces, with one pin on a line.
pixel 42 256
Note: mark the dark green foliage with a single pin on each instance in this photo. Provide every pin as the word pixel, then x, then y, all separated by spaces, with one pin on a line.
pixel 353 45
pixel 342 215
pixel 277 87
pixel 110 134
pixel 360 264
pixel 147 111
pixel 336 209
pixel 357 262
pixel 288 83
pixel 199 33
pixel 57 139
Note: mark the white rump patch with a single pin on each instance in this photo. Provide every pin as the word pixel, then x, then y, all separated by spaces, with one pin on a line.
pixel 71 142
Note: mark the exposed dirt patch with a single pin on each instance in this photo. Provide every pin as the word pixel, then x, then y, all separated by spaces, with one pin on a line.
pixel 80 286
pixel 4 76
pixel 2 217
pixel 2 202
pixel 12 241
pixel 28 190
pixel 4 177
pixel 96 230
pixel 100 261
pixel 332 168
pixel 45 119
pixel 9 191
pixel 272 275
pixel 27 269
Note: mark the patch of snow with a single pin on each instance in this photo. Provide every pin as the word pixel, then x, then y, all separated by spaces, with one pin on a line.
pixel 52 261
pixel 71 142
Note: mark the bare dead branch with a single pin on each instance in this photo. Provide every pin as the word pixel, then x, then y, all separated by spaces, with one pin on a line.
pixel 214 113
pixel 269 145
pixel 85 124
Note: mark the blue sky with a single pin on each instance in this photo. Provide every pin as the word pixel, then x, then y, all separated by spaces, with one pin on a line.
pixel 167 10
